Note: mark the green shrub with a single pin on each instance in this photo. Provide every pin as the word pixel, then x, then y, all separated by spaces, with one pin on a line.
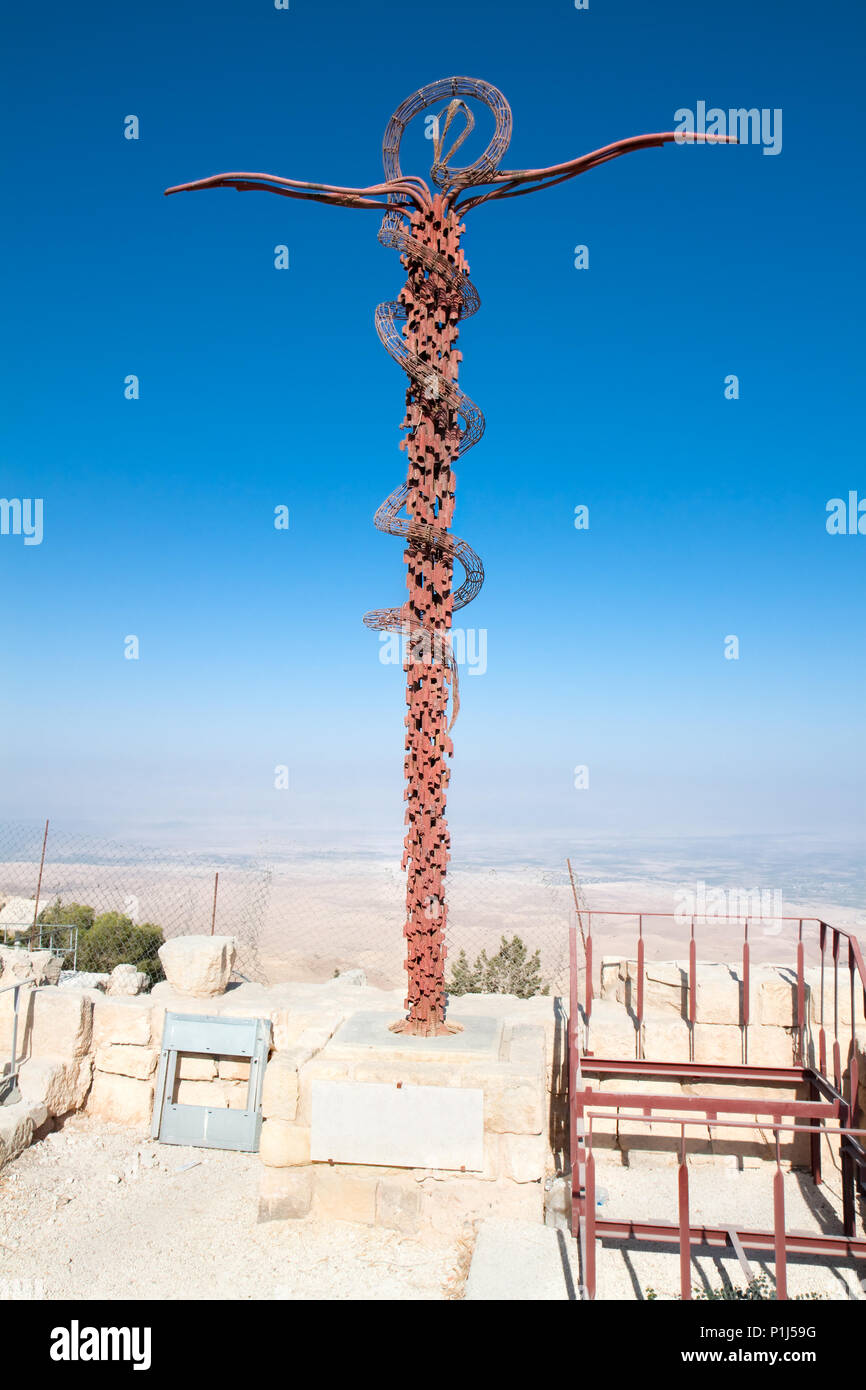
pixel 107 940
pixel 67 915
pixel 115 939
pixel 511 971
pixel 758 1288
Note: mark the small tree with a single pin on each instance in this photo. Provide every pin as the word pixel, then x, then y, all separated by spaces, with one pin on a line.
pixel 67 915
pixel 511 971
pixel 114 939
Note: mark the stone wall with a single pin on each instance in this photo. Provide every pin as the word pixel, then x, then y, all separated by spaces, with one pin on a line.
pixel 84 1050
pixel 719 1036
pixel 87 1050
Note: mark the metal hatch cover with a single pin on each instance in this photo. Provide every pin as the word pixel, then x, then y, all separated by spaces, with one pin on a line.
pixel 206 1126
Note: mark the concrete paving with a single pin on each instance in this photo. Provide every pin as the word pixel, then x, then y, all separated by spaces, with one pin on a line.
pixel 521 1261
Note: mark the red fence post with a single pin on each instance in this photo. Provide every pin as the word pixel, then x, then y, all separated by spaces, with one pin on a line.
pixel 801 996
pixel 685 1225
pixel 822 1036
pixel 779 1225
pixel 589 1222
pixel 837 1051
pixel 640 985
pixel 693 991
pixel 746 992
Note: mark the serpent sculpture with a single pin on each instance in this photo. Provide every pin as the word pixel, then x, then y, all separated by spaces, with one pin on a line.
pixel 419 331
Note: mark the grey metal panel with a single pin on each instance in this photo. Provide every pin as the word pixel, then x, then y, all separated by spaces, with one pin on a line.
pixel 225 1037
pixel 203 1126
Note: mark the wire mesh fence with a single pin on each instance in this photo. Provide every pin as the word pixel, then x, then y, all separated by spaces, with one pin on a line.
pixel 301 916
pixel 330 912
pixel 101 903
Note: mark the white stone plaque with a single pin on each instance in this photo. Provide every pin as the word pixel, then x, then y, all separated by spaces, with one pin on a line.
pixel 397 1126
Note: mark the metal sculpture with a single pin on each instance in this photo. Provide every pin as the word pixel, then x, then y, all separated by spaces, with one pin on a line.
pixel 419 331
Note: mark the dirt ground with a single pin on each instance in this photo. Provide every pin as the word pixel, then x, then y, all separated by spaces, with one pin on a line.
pixel 91 1212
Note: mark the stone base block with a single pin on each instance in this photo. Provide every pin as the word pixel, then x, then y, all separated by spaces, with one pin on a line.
pixel 345 1193
pixel 285 1194
pixel 59 1084
pixel 16 1130
pixel 284 1145
pixel 121 1099
pixel 124 1059
pixel 122 1020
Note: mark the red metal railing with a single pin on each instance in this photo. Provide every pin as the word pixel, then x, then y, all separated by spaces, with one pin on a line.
pixel 687 1235
pixel 830 1101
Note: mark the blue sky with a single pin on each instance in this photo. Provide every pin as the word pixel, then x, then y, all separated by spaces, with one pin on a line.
pixel 604 387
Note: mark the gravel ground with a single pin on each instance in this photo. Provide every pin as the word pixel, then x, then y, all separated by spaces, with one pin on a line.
pixel 90 1212
pixel 719 1197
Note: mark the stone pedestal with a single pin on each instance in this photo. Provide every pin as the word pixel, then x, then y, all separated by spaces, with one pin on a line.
pixel 457 1125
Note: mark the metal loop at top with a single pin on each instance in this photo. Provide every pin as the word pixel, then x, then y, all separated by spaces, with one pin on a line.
pixel 442 174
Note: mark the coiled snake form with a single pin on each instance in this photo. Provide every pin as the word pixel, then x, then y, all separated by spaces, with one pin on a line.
pixel 419 331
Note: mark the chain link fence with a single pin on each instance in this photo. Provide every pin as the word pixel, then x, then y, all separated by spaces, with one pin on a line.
pixel 102 903
pixel 304 916
pixel 331 912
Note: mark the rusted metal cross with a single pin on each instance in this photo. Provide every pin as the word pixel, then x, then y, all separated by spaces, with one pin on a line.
pixel 420 330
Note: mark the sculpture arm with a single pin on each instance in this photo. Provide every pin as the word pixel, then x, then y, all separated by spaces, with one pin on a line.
pixel 511 183
pixel 380 195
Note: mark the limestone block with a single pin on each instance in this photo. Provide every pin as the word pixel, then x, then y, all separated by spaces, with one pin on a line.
pixel 16 1130
pixel 614 972
pixel 661 1156
pixel 236 1093
pixel 196 1066
pixel 121 1099
pixel 121 1021
pixel 719 994
pixel 514 1101
pixel 321 1068
pixel 775 987
pixel 447 1206
pixel 665 987
pixel 813 982
pixel 19 964
pixel 126 1059
pixel 721 1163
pixel 284 1145
pixel 524 1157
pixel 234 1068
pixel 345 1193
pixel 666 1038
pixel 126 980
pixel 83 979
pixel 719 1042
pixel 61 1023
pixel 60 1084
pixel 198 966
pixel 281 1087
pixel 285 1194
pixel 526 1046
pixel 17 912
pixel 611 1031
pixel 211 1093
pixel 389 1070
pixel 771 1046
pixel 398 1205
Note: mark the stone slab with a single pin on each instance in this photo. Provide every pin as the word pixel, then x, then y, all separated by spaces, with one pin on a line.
pixel 518 1260
pixel 369 1028
pixel 396 1126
